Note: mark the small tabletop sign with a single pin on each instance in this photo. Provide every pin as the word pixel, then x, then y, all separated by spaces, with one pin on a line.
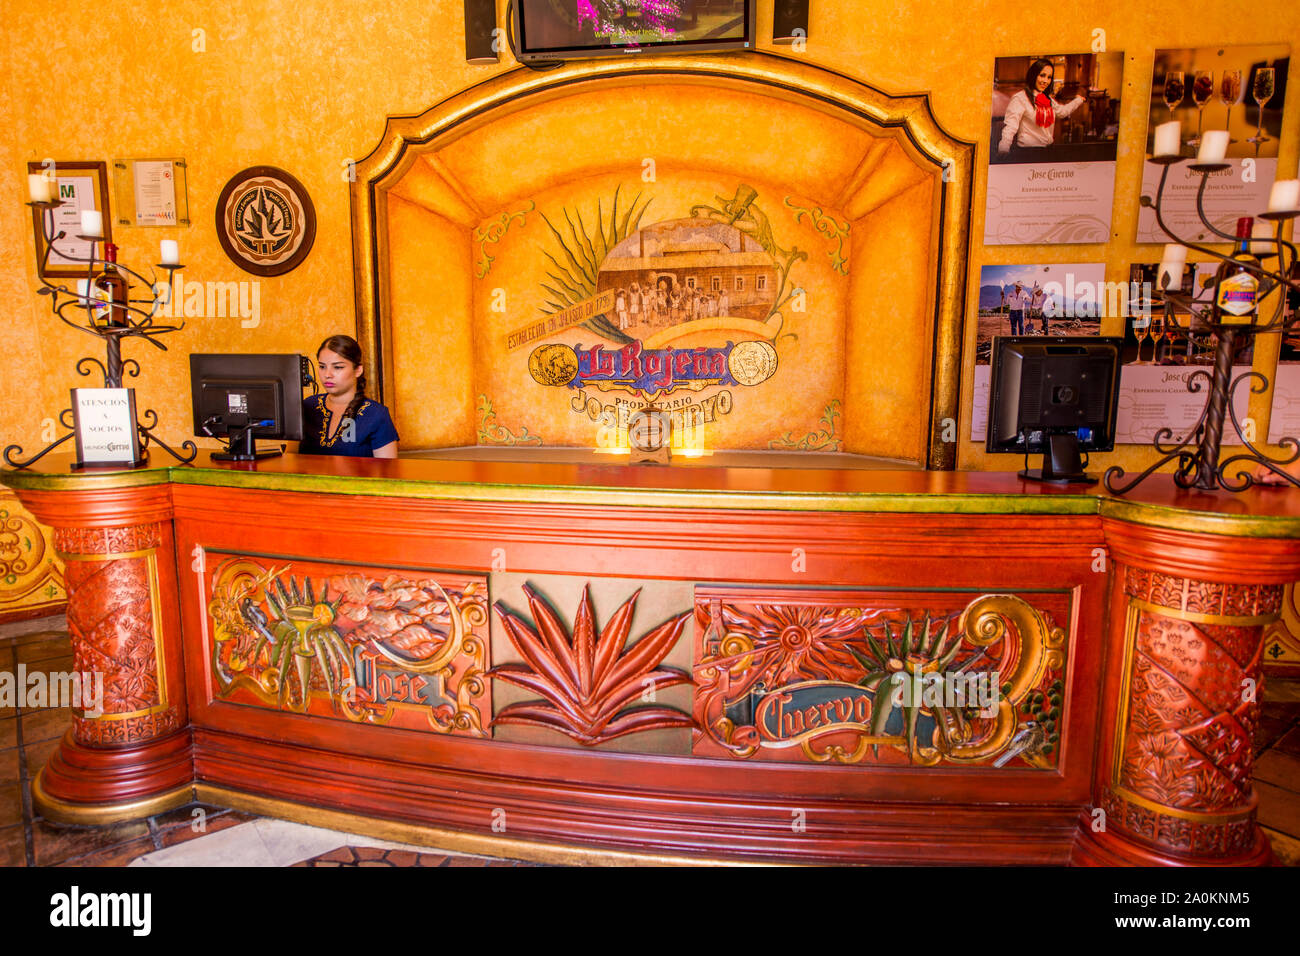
pixel 649 436
pixel 105 425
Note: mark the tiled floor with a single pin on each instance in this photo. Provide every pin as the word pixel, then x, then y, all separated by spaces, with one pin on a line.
pixel 198 835
pixel 195 835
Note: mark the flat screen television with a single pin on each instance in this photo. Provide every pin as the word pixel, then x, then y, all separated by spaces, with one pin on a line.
pixel 548 30
pixel 246 397
pixel 1055 396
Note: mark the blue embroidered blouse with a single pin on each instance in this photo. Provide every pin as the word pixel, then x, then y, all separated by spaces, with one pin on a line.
pixel 373 428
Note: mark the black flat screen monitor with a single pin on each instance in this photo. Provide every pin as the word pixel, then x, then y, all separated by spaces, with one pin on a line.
pixel 572 29
pixel 245 397
pixel 1056 396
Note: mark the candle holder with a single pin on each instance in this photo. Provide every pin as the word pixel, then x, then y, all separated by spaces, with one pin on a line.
pixel 1200 464
pixel 138 315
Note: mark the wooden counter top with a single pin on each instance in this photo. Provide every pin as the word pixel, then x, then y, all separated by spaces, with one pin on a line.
pixel 1258 512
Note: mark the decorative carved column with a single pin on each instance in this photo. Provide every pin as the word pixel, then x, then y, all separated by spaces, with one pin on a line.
pixel 116 627
pixel 1181 698
pixel 133 758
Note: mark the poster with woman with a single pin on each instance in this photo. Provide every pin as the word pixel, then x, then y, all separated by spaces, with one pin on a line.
pixel 1285 418
pixel 1052 145
pixel 1241 89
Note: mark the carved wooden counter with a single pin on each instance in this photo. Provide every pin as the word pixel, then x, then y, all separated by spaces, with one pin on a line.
pixel 613 663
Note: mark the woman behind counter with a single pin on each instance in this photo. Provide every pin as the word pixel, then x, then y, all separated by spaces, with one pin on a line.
pixel 1032 114
pixel 341 420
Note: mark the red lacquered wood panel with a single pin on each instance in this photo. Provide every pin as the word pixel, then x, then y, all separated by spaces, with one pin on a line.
pixel 1077 596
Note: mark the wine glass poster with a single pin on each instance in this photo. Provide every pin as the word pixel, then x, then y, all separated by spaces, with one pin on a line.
pixel 1160 353
pixel 1241 89
pixel 1285 417
pixel 1052 144
pixel 1054 299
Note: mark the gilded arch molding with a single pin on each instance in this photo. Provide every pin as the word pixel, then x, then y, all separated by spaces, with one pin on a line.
pixel 906 119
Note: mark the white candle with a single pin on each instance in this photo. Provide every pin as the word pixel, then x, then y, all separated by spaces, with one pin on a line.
pixel 1214 146
pixel 92 223
pixel 40 188
pixel 1262 230
pixel 1285 196
pixel 1174 272
pixel 1171 265
pixel 1168 138
pixel 83 290
pixel 170 252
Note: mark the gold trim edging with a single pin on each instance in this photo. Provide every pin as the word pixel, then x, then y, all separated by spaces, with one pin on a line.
pixel 952 503
pixel 1197 617
pixel 1221 818
pixel 452 841
pixel 102 814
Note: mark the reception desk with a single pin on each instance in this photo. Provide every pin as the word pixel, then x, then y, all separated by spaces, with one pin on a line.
pixel 609 663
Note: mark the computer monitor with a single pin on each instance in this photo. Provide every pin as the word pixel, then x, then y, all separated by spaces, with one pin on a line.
pixel 245 397
pixel 1056 396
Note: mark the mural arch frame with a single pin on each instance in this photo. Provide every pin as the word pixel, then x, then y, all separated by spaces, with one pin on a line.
pixel 906 119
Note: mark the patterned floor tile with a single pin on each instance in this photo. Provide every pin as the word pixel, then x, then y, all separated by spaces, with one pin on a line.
pixel 1280 769
pixel 13 845
pixel 45 725
pixel 53 843
pixel 213 821
pixel 119 854
pixel 1286 849
pixel 41 651
pixel 360 856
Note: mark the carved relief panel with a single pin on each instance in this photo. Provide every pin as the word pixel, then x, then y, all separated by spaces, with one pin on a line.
pixel 892 678
pixel 395 647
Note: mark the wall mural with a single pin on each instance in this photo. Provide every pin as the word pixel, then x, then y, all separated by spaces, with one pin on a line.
pixel 904 679
pixel 397 648
pixel 684 312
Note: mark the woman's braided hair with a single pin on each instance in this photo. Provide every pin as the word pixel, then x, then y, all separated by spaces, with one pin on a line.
pixel 346 347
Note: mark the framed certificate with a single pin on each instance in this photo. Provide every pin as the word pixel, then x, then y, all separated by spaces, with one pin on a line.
pixel 81 187
pixel 105 425
pixel 151 192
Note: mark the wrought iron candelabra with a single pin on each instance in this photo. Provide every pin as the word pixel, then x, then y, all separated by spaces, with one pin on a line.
pixel 138 317
pixel 1198 454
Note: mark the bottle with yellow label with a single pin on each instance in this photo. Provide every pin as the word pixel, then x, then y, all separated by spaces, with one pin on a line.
pixel 1236 288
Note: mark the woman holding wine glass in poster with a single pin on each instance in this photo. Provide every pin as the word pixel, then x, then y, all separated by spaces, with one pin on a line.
pixel 1031 115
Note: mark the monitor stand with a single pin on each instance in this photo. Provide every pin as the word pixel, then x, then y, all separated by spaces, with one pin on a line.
pixel 242 446
pixel 1062 463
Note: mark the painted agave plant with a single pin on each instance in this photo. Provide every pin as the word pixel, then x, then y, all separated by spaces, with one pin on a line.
pixel 588 680
pixel 583 250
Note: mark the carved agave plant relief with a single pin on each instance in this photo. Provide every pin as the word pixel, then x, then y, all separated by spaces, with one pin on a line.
pixel 594 686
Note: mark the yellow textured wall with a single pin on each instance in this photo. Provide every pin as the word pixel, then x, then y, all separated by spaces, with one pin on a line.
pixel 431 343
pixel 886 414
pixel 306 86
